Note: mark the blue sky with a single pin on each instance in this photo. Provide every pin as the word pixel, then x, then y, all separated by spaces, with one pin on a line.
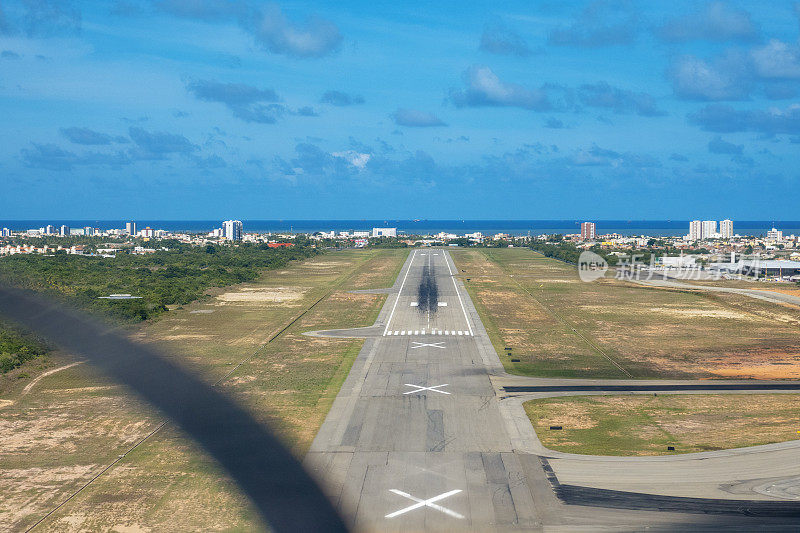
pixel 197 109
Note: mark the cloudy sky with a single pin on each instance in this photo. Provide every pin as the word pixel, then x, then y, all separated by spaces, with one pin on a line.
pixel 196 109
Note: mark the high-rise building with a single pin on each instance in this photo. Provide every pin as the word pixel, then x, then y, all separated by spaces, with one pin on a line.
pixel 63 230
pixel 130 228
pixel 49 229
pixel 148 232
pixel 695 230
pixel 88 231
pixel 709 229
pixel 726 229
pixel 587 231
pixel 6 232
pixel 232 230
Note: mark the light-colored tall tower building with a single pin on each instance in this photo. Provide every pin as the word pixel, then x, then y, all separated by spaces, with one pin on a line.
pixel 130 228
pixel 695 230
pixel 64 230
pixel 587 231
pixel 726 229
pixel 232 230
pixel 709 229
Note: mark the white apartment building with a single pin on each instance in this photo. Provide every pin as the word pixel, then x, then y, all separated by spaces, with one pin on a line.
pixel 232 230
pixel 695 230
pixel 726 229
pixel 774 235
pixel 709 229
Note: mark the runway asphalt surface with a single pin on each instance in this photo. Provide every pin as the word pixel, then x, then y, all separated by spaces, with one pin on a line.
pixel 422 437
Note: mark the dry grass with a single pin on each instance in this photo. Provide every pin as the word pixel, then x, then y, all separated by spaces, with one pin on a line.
pixel 646 425
pixel 558 326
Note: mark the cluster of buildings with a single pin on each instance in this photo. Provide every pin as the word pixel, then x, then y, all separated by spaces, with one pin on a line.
pixel 700 230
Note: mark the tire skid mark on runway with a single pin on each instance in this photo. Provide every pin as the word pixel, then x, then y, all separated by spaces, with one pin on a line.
pixel 618 499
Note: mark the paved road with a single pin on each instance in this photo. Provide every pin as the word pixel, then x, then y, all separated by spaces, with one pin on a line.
pixel 418 438
pixel 759 294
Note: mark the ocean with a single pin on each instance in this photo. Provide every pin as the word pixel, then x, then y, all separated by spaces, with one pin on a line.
pixel 414 227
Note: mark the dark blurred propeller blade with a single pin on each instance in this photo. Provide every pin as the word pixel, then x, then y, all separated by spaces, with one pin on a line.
pixel 277 484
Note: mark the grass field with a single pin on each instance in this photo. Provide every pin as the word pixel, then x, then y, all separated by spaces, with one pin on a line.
pixel 558 326
pixel 646 425
pixel 73 423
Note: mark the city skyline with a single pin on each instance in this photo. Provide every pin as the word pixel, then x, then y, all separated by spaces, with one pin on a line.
pixel 605 110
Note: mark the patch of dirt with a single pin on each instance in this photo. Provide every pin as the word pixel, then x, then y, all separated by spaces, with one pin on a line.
pixel 570 415
pixel 135 528
pixel 705 313
pixel 186 336
pixel 271 294
pixel 790 292
pixel 757 371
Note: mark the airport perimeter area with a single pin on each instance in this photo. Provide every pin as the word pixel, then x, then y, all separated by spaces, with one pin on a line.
pixel 421 417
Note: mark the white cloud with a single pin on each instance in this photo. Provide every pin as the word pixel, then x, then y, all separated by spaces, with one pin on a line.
pixel 357 159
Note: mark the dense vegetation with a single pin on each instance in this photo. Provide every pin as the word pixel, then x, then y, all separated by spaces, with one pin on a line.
pixel 16 348
pixel 566 251
pixel 176 274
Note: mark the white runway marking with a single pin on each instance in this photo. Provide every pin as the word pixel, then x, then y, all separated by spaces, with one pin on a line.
pixel 446 332
pixel 415 333
pixel 414 304
pixel 397 299
pixel 442 304
pixel 429 344
pixel 460 332
pixel 430 502
pixel 455 285
pixel 402 332
pixel 420 388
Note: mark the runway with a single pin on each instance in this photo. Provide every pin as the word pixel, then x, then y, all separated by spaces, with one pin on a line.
pixel 418 439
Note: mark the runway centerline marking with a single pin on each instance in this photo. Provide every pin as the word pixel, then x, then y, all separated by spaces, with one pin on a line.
pixel 420 388
pixel 430 344
pixel 430 502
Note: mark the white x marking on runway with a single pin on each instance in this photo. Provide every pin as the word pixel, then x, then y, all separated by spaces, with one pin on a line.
pixel 416 345
pixel 430 502
pixel 420 388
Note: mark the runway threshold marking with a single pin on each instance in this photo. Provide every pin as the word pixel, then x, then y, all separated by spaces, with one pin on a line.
pixel 420 388
pixel 430 502
pixel 429 344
